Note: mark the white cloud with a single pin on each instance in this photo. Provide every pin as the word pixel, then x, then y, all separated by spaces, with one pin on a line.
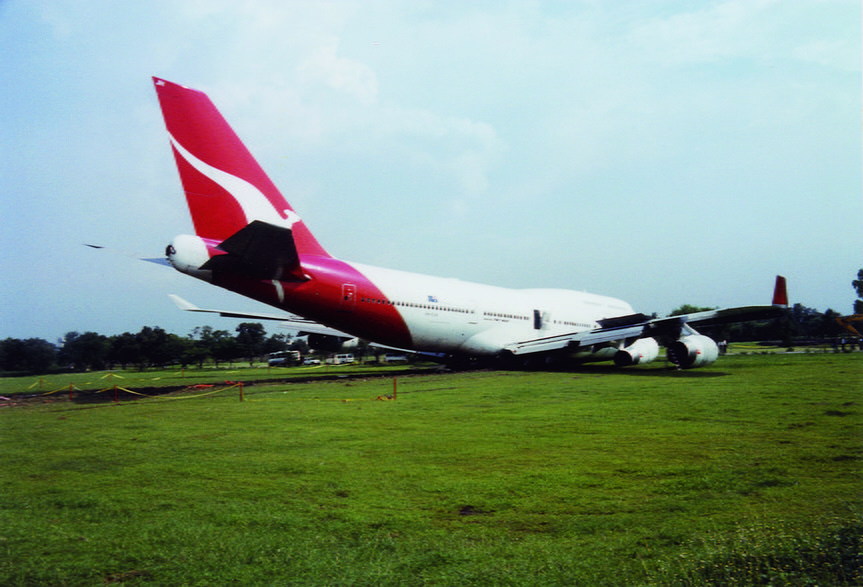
pixel 719 31
pixel 470 171
pixel 840 54
pixel 344 75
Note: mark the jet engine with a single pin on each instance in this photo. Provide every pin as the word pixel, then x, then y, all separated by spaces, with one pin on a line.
pixel 640 352
pixel 332 344
pixel 694 350
pixel 187 253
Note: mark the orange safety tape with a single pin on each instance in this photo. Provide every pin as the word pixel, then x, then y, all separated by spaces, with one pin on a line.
pixel 111 374
pixel 135 392
pixel 63 389
pixel 158 397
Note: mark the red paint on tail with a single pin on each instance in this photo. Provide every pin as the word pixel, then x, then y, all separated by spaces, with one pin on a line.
pixel 225 187
pixel 780 292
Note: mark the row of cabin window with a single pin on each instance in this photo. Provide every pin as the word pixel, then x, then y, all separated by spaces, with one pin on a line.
pixel 567 323
pixel 508 316
pixel 514 317
pixel 462 311
pixel 412 305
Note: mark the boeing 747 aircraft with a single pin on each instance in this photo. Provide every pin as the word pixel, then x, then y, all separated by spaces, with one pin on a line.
pixel 249 240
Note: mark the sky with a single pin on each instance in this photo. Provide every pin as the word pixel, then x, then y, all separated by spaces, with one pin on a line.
pixel 661 152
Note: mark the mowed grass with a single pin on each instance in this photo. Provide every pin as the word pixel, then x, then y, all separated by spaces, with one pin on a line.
pixel 747 472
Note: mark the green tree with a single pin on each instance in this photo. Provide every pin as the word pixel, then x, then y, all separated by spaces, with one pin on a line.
pixel 806 321
pixel 299 344
pixel 250 338
pixel 276 343
pixel 218 344
pixel 829 327
pixel 202 347
pixel 225 347
pixel 688 309
pixel 125 349
pixel 858 287
pixel 41 355
pixel 179 350
pixel 154 345
pixel 33 355
pixel 85 351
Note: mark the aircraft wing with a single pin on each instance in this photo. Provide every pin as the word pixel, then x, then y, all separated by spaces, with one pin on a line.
pixel 291 321
pixel 156 260
pixel 661 328
pixel 634 326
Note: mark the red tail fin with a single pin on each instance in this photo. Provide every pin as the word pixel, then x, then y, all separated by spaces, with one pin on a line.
pixel 225 187
pixel 780 292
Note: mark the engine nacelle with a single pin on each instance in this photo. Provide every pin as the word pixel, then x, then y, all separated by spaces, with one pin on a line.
pixel 332 344
pixel 695 350
pixel 640 352
pixel 187 253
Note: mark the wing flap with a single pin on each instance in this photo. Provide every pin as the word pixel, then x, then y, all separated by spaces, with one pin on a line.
pixel 574 340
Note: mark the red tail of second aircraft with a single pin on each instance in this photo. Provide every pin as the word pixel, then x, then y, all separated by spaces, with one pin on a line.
pixel 780 293
pixel 225 187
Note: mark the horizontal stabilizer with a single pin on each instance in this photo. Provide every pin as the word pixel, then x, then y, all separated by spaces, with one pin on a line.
pixel 190 307
pixel 261 251
pixel 288 321
pixel 156 260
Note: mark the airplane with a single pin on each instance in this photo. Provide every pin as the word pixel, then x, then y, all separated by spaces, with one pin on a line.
pixel 249 240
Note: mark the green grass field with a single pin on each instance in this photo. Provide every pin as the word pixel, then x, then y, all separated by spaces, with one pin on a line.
pixel 744 473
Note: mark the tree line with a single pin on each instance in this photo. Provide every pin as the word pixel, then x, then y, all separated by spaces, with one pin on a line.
pixel 154 347
pixel 800 324
pixel 150 347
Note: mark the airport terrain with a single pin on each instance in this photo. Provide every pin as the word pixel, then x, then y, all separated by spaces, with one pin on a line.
pixel 744 472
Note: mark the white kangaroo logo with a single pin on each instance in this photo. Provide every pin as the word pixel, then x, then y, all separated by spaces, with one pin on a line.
pixel 254 203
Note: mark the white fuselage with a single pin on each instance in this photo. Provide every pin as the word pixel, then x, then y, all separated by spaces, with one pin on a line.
pixel 453 316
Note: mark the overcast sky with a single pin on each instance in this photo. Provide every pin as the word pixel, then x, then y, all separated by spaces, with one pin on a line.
pixel 663 152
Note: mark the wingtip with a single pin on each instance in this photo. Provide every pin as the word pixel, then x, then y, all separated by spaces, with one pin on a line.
pixel 183 304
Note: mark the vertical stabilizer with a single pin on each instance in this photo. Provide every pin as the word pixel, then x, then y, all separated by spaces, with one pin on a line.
pixel 780 293
pixel 225 187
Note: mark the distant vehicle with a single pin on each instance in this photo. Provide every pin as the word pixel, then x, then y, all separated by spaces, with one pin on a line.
pixel 312 361
pixel 283 358
pixel 390 358
pixel 249 240
pixel 341 359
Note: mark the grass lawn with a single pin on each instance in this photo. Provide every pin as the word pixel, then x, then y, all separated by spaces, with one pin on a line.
pixel 746 472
